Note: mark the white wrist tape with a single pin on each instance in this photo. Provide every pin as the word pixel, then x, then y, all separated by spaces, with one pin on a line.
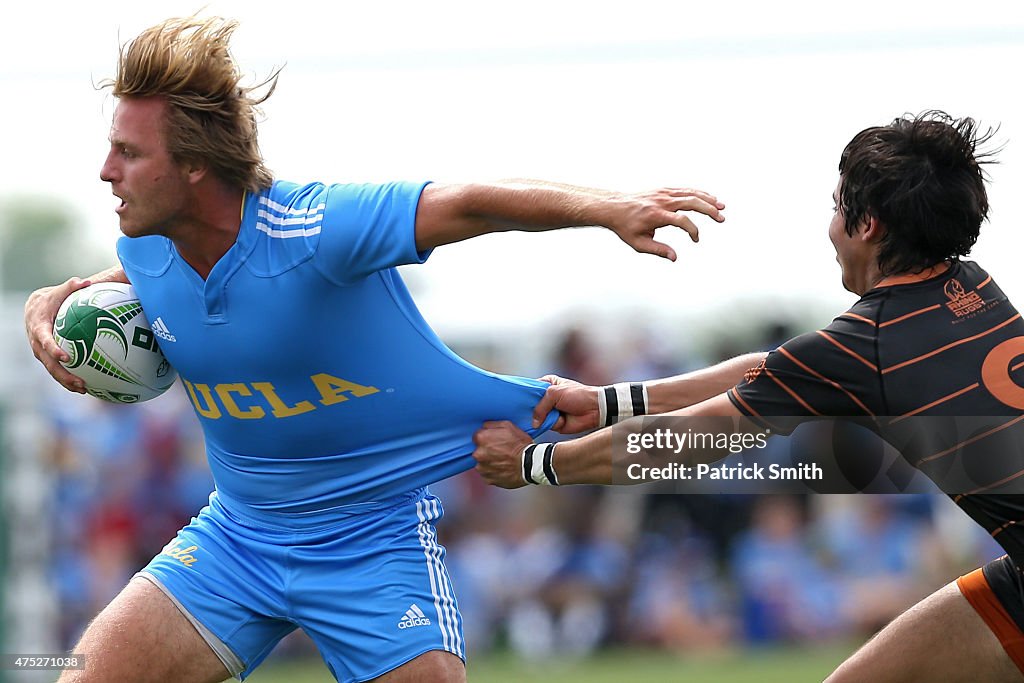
pixel 537 466
pixel 619 401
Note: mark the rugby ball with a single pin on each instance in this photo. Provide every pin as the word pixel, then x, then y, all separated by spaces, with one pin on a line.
pixel 111 344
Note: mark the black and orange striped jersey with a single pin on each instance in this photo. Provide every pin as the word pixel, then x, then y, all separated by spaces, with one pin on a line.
pixel 934 363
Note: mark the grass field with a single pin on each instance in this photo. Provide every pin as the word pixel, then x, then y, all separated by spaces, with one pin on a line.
pixel 625 666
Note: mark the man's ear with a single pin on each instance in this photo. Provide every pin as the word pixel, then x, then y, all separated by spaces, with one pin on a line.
pixel 194 171
pixel 873 230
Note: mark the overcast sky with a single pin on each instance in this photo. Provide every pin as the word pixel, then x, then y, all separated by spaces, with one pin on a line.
pixel 752 101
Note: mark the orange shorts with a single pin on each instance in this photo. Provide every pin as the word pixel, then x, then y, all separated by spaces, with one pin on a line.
pixel 979 594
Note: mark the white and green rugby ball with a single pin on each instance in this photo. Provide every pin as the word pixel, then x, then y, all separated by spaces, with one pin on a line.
pixel 111 345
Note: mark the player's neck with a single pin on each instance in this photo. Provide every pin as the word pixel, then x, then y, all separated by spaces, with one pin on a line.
pixel 870 278
pixel 914 275
pixel 211 227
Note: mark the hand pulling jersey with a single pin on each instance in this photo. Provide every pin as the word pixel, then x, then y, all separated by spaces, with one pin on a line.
pixel 316 380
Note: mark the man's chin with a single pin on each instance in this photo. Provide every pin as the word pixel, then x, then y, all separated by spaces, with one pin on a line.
pixel 129 230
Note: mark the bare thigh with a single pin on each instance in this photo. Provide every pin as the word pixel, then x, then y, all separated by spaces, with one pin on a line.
pixel 435 666
pixel 141 637
pixel 940 638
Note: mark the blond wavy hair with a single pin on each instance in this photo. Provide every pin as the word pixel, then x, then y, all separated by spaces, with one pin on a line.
pixel 211 118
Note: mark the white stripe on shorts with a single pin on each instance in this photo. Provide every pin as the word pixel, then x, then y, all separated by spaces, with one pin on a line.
pixel 455 620
pixel 440 586
pixel 425 530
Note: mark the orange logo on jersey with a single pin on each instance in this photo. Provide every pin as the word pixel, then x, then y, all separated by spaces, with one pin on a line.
pixel 754 372
pixel 962 302
pixel 995 373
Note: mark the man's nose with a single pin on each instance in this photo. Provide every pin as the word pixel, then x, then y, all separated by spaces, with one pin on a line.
pixel 108 171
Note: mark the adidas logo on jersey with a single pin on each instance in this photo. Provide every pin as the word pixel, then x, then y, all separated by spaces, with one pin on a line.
pixel 160 330
pixel 413 616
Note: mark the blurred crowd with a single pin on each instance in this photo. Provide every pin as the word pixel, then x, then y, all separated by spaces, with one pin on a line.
pixel 545 572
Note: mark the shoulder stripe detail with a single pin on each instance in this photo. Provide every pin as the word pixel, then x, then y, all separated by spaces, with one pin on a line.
pixel 297 220
pixel 1000 428
pixel 301 232
pixel 281 208
pixel 910 315
pixel 854 316
pixel 983 283
pixel 856 355
pixel 792 393
pixel 822 377
pixel 950 345
pixel 279 226
pixel 936 402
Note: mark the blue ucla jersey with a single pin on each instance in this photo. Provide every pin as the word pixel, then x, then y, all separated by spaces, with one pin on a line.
pixel 315 378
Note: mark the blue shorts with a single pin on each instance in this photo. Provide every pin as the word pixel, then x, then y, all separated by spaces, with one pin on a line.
pixel 370 588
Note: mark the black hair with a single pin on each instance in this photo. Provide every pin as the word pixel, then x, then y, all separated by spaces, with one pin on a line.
pixel 921 177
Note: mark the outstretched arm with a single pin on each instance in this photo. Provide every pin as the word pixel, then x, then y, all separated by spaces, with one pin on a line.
pixel 41 311
pixel 672 393
pixel 592 459
pixel 451 213
pixel 580 404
